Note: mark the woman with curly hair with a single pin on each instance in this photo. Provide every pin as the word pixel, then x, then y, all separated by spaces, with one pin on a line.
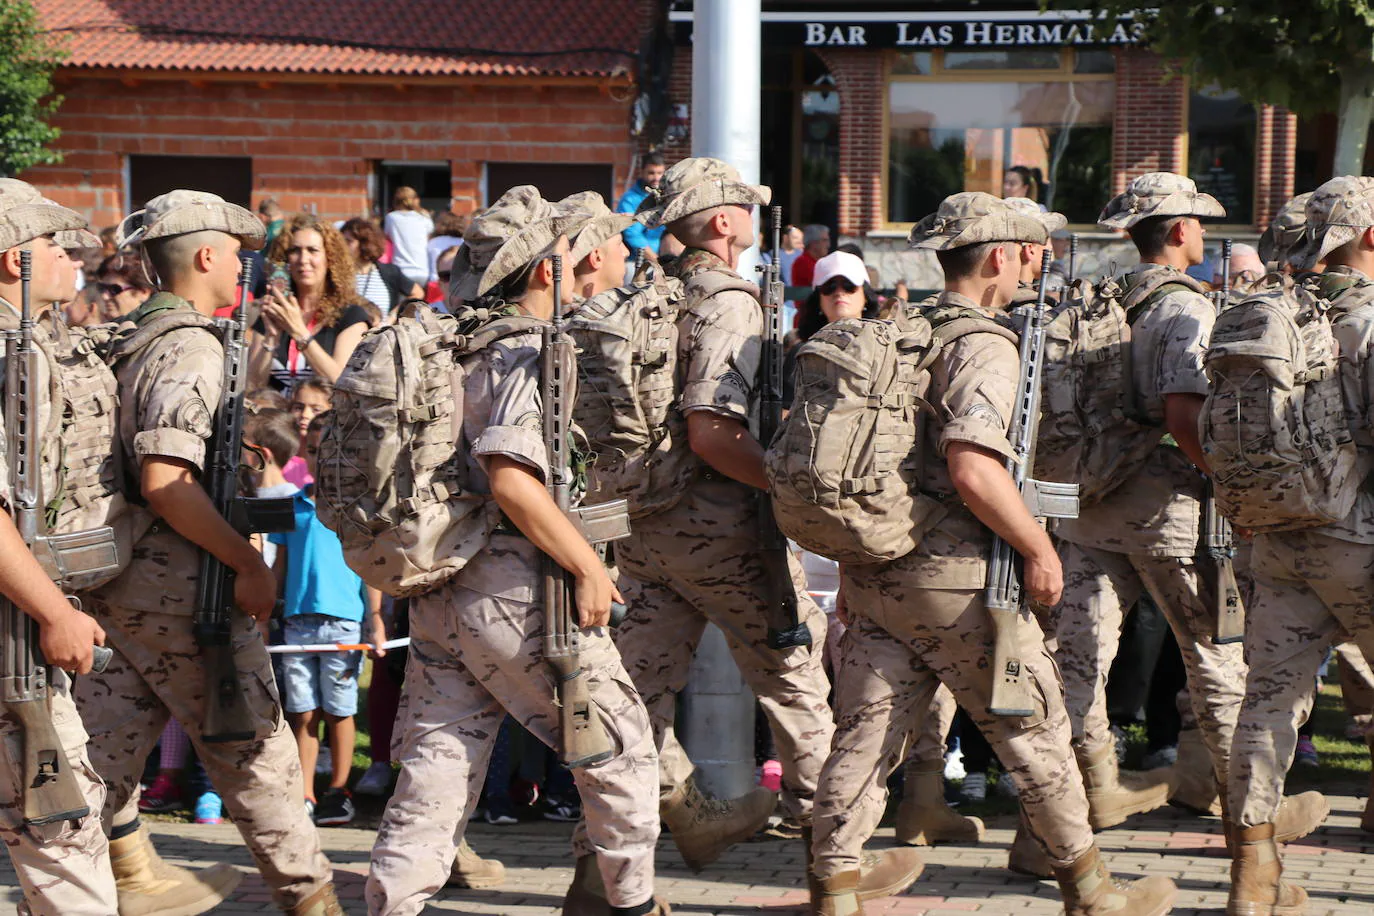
pixel 311 322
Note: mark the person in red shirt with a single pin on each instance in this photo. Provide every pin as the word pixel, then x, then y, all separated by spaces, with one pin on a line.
pixel 816 239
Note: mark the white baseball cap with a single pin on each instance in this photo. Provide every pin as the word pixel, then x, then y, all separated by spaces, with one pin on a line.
pixel 841 264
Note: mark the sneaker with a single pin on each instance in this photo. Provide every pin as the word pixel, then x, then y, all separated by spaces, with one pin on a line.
pixel 324 764
pixel 500 813
pixel 1119 734
pixel 770 775
pixel 310 808
pixel 376 780
pixel 163 795
pixel 562 810
pixel 954 765
pixel 1006 788
pixel 1306 755
pixel 975 787
pixel 1164 757
pixel 335 809
pixel 781 828
pixel 209 809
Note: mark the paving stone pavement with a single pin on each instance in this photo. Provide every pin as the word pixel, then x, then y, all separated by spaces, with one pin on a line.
pixel 1334 865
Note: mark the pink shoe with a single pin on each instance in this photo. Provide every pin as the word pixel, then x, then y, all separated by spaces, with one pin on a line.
pixel 163 795
pixel 770 776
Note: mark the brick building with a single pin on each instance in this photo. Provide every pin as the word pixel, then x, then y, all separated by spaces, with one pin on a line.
pixel 328 105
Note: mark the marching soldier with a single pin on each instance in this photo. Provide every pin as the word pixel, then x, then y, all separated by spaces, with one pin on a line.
pixel 920 620
pixel 170 393
pixel 697 560
pixel 475 651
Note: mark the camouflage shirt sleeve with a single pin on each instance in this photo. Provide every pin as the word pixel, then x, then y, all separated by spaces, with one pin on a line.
pixel 515 422
pixel 979 393
pixel 1182 326
pixel 176 396
pixel 723 343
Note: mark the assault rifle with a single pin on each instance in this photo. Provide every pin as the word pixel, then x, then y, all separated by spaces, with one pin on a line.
pixel 51 793
pixel 1221 543
pixel 1044 499
pixel 785 630
pixel 1073 259
pixel 582 734
pixel 227 716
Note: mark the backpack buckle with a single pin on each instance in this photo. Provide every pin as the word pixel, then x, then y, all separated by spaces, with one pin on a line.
pixel 425 413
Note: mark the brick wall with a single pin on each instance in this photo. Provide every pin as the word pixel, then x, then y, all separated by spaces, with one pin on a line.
pixel 861 77
pixel 1151 128
pixel 1276 147
pixel 315 143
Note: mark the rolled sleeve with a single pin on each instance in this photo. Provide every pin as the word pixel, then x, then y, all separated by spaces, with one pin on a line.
pixel 725 347
pixel 514 426
pixel 981 393
pixel 181 391
pixel 1188 319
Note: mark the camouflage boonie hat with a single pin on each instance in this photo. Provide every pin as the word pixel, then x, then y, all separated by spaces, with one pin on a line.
pixel 973 217
pixel 1159 194
pixel 512 233
pixel 181 212
pixel 72 239
pixel 1336 214
pixel 25 214
pixel 1052 221
pixel 592 223
pixel 697 184
pixel 1284 239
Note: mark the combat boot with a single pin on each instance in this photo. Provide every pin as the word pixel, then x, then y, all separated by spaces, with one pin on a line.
pixel 1089 890
pixel 586 895
pixel 882 874
pixel 924 819
pixel 1114 796
pixel 1299 815
pixel 324 902
pixel 703 828
pixel 837 896
pixel 1257 885
pixel 1026 857
pixel 472 871
pixel 148 886
pixel 1195 782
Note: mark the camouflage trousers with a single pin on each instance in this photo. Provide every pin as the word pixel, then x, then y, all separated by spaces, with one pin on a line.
pixel 1310 591
pixel 1357 683
pixel 157 672
pixel 932 728
pixel 904 642
pixel 1099 587
pixel 475 655
pixel 698 563
pixel 63 869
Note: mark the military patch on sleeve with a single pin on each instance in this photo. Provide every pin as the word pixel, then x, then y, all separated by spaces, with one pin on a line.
pixel 193 416
pixel 985 412
pixel 531 419
pixel 733 378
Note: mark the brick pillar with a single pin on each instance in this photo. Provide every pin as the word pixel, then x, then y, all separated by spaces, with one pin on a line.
pixel 861 77
pixel 1276 141
pixel 1150 133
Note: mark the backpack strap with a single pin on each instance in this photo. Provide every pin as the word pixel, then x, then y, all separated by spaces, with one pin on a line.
pixel 154 318
pixel 1140 293
pixel 952 322
pixel 706 283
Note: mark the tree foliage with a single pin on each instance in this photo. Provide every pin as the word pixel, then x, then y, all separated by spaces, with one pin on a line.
pixel 28 59
pixel 1292 53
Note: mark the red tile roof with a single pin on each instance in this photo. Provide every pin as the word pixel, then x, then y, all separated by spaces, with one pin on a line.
pixel 401 37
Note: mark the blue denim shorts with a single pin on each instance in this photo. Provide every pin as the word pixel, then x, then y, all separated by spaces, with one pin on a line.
pixel 327 680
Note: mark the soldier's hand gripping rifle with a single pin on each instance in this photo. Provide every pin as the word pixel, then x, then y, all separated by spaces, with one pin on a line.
pixel 785 630
pixel 582 734
pixel 1221 542
pixel 227 716
pixel 51 793
pixel 1044 499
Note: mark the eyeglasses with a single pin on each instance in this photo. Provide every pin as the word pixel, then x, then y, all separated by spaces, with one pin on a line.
pixel 444 275
pixel 112 289
pixel 835 284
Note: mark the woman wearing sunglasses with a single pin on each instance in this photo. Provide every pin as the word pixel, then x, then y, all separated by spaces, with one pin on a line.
pixel 841 291
pixel 121 285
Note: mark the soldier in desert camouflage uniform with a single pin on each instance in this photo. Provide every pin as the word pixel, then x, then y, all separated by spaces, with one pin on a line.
pixel 169 394
pixel 63 868
pixel 1144 534
pixel 475 651
pixel 697 560
pixel 1311 586
pixel 920 620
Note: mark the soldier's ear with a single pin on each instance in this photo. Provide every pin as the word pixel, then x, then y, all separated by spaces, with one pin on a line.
pixel 9 262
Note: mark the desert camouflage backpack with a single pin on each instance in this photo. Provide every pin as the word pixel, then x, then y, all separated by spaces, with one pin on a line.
pixel 627 365
pixel 1274 426
pixel 392 480
pixel 1093 431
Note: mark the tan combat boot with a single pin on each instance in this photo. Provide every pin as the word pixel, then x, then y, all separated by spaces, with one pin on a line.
pixel 148 886
pixel 1114 796
pixel 1195 783
pixel 473 871
pixel 1089 890
pixel 1299 815
pixel 1257 886
pixel 1026 857
pixel 324 902
pixel 837 896
pixel 587 894
pixel 924 819
pixel 882 874
pixel 703 828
